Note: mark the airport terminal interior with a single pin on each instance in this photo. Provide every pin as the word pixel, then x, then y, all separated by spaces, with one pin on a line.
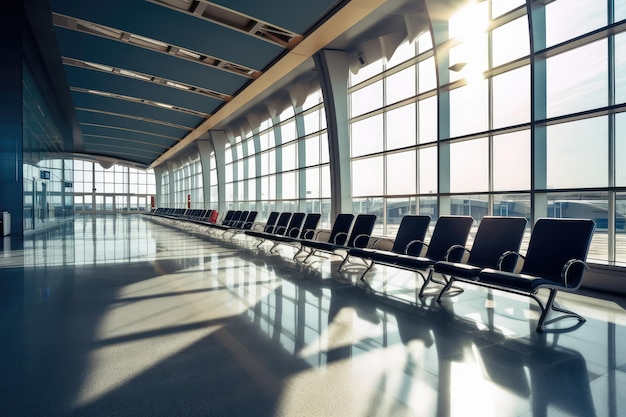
pixel 150 150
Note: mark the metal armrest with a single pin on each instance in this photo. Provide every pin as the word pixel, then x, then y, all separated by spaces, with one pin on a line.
pixel 339 234
pixel 383 239
pixel 411 243
pixel 454 247
pixel 506 255
pixel 567 267
pixel 363 235
pixel 292 230
pixel 278 229
pixel 308 234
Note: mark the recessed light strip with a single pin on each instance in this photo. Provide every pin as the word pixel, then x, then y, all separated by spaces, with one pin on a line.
pixel 152 44
pixel 142 101
pixel 148 78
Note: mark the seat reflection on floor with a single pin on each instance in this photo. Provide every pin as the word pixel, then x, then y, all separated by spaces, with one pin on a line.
pixel 120 316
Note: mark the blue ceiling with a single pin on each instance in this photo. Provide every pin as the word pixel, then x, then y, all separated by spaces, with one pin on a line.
pixel 134 102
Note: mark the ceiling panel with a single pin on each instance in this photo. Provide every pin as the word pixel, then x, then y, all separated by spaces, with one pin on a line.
pixel 98 103
pixel 122 55
pixel 164 24
pixel 145 74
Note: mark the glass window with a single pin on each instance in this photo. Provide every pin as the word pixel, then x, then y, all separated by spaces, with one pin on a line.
pixel 428 169
pixel 290 189
pixel 511 98
pixel 575 151
pixel 577 80
pixel 620 68
pixel 500 7
pixel 567 19
pixel 367 135
pixel 620 150
pixel 401 175
pixel 366 99
pixel 290 156
pixel 313 183
pixel 511 161
pixel 367 176
pixel 468 109
pixel 427 122
pixel 469 165
pixel 312 150
pixel 427 75
pixel 400 85
pixel 400 127
pixel 510 41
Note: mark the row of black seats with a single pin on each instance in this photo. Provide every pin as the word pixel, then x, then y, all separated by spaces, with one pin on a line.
pixel 554 260
pixel 195 215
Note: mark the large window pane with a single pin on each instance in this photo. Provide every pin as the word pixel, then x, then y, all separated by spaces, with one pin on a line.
pixel 575 153
pixel 577 80
pixel 510 41
pixel 620 150
pixel 400 85
pixel 620 68
pixel 427 122
pixel 567 19
pixel 499 7
pixel 511 161
pixel 511 98
pixel 290 189
pixel 468 109
pixel 367 177
pixel 401 175
pixel 427 75
pixel 366 99
pixel 428 169
pixel 367 136
pixel 290 157
pixel 469 166
pixel 400 126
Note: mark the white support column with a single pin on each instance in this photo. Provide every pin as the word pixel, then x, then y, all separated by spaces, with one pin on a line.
pixel 205 147
pixel 218 138
pixel 332 67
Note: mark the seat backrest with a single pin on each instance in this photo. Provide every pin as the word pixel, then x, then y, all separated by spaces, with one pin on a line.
pixel 310 224
pixel 293 229
pixel 247 224
pixel 361 231
pixel 496 235
pixel 412 228
pixel 271 222
pixel 241 220
pixel 449 231
pixel 553 242
pixel 281 223
pixel 234 219
pixel 341 227
pixel 228 217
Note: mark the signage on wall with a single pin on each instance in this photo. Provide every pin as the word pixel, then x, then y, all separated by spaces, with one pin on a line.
pixel 68 184
pixel 44 175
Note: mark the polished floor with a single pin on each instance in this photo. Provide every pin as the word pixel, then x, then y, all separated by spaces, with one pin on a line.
pixel 125 316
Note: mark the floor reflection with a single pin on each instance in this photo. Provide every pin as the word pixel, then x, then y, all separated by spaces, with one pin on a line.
pixel 121 316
